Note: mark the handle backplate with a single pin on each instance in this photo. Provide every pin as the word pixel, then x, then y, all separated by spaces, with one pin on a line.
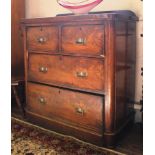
pixel 79 111
pixel 41 40
pixel 43 69
pixel 80 41
pixel 81 74
pixel 42 100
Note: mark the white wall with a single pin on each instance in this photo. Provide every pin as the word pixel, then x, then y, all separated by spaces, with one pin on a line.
pixel 49 8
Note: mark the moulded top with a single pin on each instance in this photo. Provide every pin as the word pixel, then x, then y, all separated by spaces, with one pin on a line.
pixel 105 15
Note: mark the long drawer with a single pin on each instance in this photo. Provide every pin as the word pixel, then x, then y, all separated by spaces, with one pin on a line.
pixel 79 72
pixel 73 108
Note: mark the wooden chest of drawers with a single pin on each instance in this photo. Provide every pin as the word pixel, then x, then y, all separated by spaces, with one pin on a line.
pixel 79 73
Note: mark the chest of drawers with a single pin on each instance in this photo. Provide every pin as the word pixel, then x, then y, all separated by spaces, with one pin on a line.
pixel 79 73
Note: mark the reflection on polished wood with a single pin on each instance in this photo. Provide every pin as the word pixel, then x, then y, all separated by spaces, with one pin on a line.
pixel 80 81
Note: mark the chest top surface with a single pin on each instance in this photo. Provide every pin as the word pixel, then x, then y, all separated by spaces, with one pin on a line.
pixel 106 15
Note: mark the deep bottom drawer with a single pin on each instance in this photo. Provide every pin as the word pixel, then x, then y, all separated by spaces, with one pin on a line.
pixel 74 108
pixel 66 129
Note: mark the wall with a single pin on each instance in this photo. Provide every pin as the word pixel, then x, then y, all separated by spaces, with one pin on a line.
pixel 137 7
pixel 48 8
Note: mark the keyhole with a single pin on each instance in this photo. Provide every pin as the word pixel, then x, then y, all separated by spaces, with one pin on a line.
pixel 60 58
pixel 41 29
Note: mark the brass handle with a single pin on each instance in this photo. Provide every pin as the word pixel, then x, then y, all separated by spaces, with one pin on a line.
pixel 43 69
pixel 41 40
pixel 42 100
pixel 81 74
pixel 80 111
pixel 81 41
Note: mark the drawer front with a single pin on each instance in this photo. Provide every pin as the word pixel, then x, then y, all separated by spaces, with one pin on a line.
pixel 42 38
pixel 74 108
pixel 88 39
pixel 84 73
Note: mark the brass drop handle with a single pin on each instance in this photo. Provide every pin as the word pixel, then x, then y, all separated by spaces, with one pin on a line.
pixel 80 41
pixel 41 40
pixel 42 100
pixel 80 111
pixel 43 69
pixel 81 74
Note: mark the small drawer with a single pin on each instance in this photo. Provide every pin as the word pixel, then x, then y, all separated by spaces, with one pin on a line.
pixel 85 39
pixel 78 72
pixel 42 38
pixel 73 108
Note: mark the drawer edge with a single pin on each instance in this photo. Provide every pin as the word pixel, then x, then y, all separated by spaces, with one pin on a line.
pixel 63 123
pixel 78 133
pixel 64 86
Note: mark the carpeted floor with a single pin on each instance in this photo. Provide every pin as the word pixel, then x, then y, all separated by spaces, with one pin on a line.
pixel 30 140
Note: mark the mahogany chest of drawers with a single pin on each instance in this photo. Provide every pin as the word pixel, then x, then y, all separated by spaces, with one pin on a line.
pixel 79 73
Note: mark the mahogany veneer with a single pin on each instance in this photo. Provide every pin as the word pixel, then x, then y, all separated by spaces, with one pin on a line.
pixel 65 70
pixel 17 55
pixel 80 72
pixel 42 38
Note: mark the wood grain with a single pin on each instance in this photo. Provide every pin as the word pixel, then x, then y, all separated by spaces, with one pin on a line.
pixel 63 70
pixel 62 105
pixel 87 68
pixel 93 36
pixel 48 33
pixel 17 50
